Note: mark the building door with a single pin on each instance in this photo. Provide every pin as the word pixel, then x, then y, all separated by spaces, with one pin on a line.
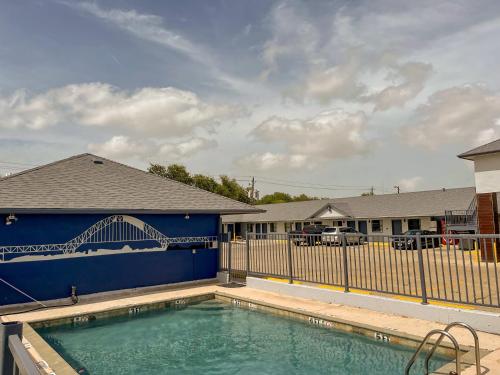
pixel 397 227
pixel 351 224
pixel 363 226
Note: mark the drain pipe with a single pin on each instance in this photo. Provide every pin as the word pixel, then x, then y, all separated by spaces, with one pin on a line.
pixel 6 359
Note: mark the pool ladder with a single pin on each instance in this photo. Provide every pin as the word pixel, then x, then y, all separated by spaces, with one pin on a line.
pixel 442 333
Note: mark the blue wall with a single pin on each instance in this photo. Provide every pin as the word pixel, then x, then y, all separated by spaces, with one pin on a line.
pixel 46 229
pixel 53 278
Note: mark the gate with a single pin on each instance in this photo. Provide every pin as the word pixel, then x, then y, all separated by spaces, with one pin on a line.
pixel 233 257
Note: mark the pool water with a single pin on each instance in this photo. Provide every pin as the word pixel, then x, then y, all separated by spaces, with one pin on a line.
pixel 213 337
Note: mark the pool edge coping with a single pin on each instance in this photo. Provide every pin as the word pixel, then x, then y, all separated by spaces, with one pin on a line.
pixel 338 324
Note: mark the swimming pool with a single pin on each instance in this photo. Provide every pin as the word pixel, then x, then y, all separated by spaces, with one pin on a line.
pixel 213 337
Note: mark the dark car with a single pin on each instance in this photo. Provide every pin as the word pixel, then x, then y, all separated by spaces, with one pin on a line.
pixel 408 240
pixel 309 235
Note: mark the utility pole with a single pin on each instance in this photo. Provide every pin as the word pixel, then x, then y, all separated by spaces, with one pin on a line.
pixel 252 189
pixel 397 188
pixel 371 191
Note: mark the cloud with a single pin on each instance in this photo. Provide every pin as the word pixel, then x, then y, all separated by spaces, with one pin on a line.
pixel 328 135
pixel 120 147
pixel 145 26
pixel 164 111
pixel 151 28
pixel 468 114
pixel 336 82
pixel 292 35
pixel 273 161
pixel 413 76
pixel 409 184
pixel 332 63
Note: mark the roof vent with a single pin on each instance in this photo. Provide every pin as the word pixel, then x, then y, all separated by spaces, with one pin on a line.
pixel 99 162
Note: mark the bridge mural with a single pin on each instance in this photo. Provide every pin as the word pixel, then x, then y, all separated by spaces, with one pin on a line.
pixel 115 229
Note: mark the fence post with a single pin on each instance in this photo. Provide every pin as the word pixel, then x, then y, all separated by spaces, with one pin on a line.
pixel 344 256
pixel 6 359
pixel 229 245
pixel 248 254
pixel 290 265
pixel 421 268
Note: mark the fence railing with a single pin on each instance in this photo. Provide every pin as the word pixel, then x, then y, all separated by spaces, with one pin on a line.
pixel 452 268
pixel 14 357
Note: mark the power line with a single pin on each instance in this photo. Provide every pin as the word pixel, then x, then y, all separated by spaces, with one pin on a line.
pixel 307 183
pixel 17 163
pixel 303 186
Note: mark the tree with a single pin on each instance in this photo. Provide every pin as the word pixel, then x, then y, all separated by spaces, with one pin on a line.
pixel 280 197
pixel 175 172
pixel 276 197
pixel 227 187
pixel 231 189
pixel 205 183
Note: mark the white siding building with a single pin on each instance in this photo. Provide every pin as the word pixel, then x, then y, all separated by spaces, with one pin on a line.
pixel 377 214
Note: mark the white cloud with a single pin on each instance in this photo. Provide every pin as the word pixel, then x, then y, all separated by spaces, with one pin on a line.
pixel 145 26
pixel 409 184
pixel 123 147
pixel 468 114
pixel 413 76
pixel 162 111
pixel 151 28
pixel 340 81
pixel 273 161
pixel 330 62
pixel 328 135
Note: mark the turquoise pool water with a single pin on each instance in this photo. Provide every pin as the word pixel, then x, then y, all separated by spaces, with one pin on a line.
pixel 216 338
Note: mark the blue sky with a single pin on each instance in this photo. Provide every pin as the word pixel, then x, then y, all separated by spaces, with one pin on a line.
pixel 323 97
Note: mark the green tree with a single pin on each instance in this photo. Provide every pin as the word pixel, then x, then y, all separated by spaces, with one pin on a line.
pixel 276 197
pixel 175 172
pixel 205 183
pixel 231 189
pixel 280 197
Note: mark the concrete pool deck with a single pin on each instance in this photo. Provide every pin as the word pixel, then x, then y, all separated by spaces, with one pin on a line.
pixel 357 316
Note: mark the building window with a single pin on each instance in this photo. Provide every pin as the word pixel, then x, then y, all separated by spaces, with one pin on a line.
pixel 250 228
pixel 298 226
pixel 376 226
pixel 272 227
pixel 288 227
pixel 318 222
pixel 351 224
pixel 413 224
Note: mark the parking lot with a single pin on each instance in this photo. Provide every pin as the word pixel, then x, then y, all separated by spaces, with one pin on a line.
pixel 450 274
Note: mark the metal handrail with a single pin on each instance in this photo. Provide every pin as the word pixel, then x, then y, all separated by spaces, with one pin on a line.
pixel 447 329
pixel 442 333
pixel 24 364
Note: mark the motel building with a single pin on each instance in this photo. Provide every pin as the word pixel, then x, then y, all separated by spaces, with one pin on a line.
pixel 457 210
pixel 87 225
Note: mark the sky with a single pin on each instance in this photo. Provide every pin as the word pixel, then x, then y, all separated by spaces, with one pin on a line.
pixel 329 98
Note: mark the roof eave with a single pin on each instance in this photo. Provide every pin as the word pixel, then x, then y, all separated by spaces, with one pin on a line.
pixel 126 211
pixel 472 156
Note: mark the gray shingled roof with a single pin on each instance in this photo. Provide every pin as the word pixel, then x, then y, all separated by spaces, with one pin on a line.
pixel 488 148
pixel 79 184
pixel 422 203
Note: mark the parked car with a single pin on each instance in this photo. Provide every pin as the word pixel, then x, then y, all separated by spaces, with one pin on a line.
pixel 408 240
pixel 333 235
pixel 309 235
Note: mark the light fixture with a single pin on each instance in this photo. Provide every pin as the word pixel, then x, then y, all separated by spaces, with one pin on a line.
pixel 10 219
pixel 186 217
